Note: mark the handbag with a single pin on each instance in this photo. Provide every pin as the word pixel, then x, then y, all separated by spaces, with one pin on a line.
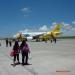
pixel 12 53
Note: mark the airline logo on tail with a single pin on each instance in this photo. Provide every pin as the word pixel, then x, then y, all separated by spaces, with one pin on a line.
pixel 57 28
pixel 56 31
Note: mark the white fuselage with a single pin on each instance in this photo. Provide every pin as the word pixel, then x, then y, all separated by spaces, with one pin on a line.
pixel 30 35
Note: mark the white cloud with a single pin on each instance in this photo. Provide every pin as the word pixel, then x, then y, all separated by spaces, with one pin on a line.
pixel 52 27
pixel 67 29
pixel 25 30
pixel 54 23
pixel 66 26
pixel 43 28
pixel 25 9
pixel 73 22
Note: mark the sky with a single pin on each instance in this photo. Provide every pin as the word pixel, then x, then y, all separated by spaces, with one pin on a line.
pixel 36 15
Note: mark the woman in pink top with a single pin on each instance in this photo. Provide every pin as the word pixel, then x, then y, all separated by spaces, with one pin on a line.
pixel 24 50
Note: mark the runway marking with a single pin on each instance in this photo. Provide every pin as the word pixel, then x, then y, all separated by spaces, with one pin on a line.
pixel 62 70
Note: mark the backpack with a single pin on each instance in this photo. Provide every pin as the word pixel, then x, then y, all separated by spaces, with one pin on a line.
pixel 25 48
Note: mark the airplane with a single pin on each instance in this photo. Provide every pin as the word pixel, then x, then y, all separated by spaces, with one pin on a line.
pixel 51 35
pixel 40 36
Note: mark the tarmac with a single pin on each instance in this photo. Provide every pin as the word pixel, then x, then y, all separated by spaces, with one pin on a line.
pixel 46 59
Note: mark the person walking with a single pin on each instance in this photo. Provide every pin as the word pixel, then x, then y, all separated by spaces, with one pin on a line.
pixel 10 43
pixel 53 37
pixel 6 42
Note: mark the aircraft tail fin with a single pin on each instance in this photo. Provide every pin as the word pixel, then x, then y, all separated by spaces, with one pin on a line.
pixel 57 28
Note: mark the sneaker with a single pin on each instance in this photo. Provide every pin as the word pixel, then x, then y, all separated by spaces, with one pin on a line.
pixel 18 62
pixel 26 63
pixel 23 64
